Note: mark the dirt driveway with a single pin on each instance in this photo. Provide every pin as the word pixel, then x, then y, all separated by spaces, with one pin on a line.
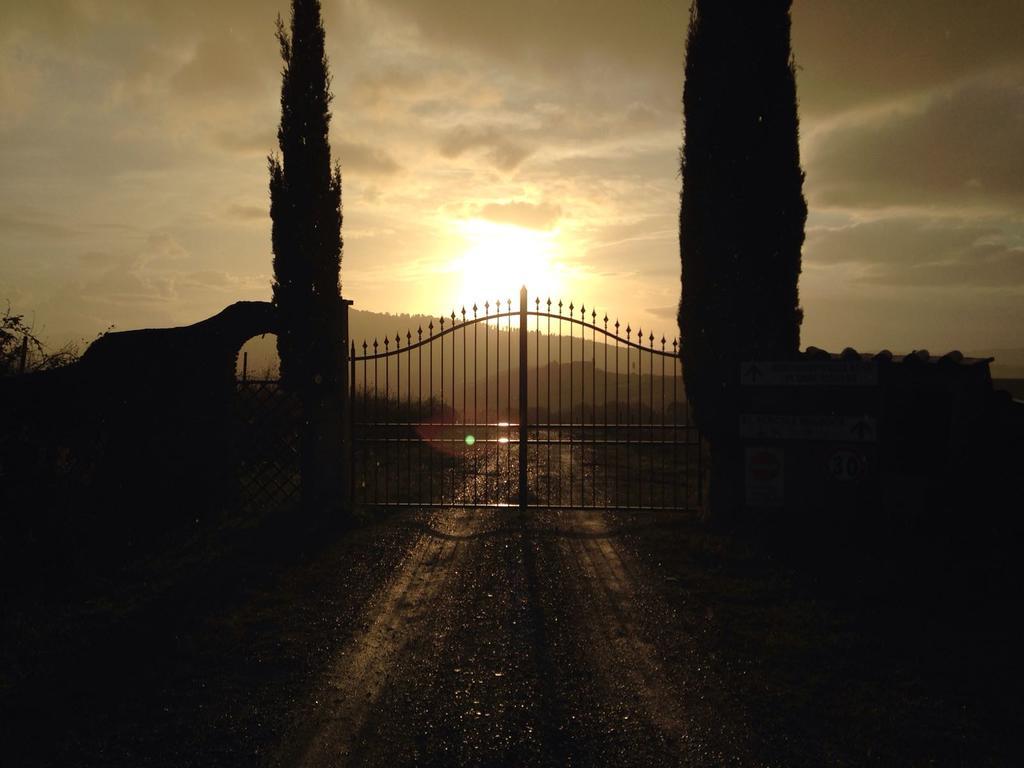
pixel 505 639
pixel 489 637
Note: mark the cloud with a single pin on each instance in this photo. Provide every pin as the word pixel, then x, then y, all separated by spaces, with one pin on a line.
pixel 164 251
pixel 364 159
pixel 530 215
pixel 538 32
pixel 381 85
pixel 923 252
pixel 249 212
pixel 617 236
pixel 960 147
pixel 641 165
pixel 128 286
pixel 156 115
pixel 869 51
pixel 503 152
pixel 104 261
pixel 894 47
pixel 209 278
pixel 222 65
pixel 642 117
pixel 34 224
pixel 248 142
pixel 664 313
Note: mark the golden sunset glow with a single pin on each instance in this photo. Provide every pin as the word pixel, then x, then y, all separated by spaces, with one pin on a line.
pixel 517 145
pixel 499 258
pixel 410 383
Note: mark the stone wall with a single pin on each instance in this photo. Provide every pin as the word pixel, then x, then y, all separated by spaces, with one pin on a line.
pixel 131 440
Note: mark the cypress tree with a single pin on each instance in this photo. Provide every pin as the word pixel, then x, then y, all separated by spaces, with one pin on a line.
pixel 742 213
pixel 305 207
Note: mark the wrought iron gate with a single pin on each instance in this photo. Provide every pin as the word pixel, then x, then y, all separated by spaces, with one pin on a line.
pixel 550 408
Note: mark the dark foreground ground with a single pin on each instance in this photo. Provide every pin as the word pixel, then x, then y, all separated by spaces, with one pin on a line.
pixel 476 637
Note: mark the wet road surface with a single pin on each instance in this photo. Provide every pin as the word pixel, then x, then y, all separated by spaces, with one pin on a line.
pixel 508 639
pixel 490 637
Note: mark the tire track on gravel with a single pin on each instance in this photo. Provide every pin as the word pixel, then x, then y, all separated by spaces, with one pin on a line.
pixel 647 710
pixel 525 640
pixel 327 729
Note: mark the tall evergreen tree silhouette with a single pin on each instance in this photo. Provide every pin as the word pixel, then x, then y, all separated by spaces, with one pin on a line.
pixel 305 206
pixel 742 213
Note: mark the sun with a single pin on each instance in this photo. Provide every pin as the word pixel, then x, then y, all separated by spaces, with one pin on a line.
pixel 500 258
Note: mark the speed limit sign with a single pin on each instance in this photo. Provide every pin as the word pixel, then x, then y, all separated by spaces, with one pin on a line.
pixel 847 465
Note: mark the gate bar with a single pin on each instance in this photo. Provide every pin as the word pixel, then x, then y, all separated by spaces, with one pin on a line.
pixel 522 397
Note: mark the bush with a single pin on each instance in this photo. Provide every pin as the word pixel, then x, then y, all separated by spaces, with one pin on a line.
pixel 16 333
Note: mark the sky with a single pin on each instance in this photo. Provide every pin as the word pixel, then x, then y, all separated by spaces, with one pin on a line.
pixel 487 143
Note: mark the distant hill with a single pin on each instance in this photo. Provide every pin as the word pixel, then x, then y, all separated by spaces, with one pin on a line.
pixel 363 326
pixel 549 368
pixel 1007 369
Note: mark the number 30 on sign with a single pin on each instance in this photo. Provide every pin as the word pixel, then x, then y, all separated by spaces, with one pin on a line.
pixel 847 465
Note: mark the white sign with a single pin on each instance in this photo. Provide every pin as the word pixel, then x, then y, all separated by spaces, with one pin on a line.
pixel 764 476
pixel 800 426
pixel 810 373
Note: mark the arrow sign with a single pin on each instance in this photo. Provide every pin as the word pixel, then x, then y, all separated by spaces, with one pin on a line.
pixel 809 373
pixel 804 426
pixel 862 430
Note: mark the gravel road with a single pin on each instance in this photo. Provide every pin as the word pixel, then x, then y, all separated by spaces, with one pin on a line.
pixel 508 639
pixel 491 637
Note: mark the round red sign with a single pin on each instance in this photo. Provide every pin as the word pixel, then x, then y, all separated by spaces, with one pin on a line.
pixel 764 466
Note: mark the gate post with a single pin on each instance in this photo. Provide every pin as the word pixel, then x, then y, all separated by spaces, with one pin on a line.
pixel 346 379
pixel 522 398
